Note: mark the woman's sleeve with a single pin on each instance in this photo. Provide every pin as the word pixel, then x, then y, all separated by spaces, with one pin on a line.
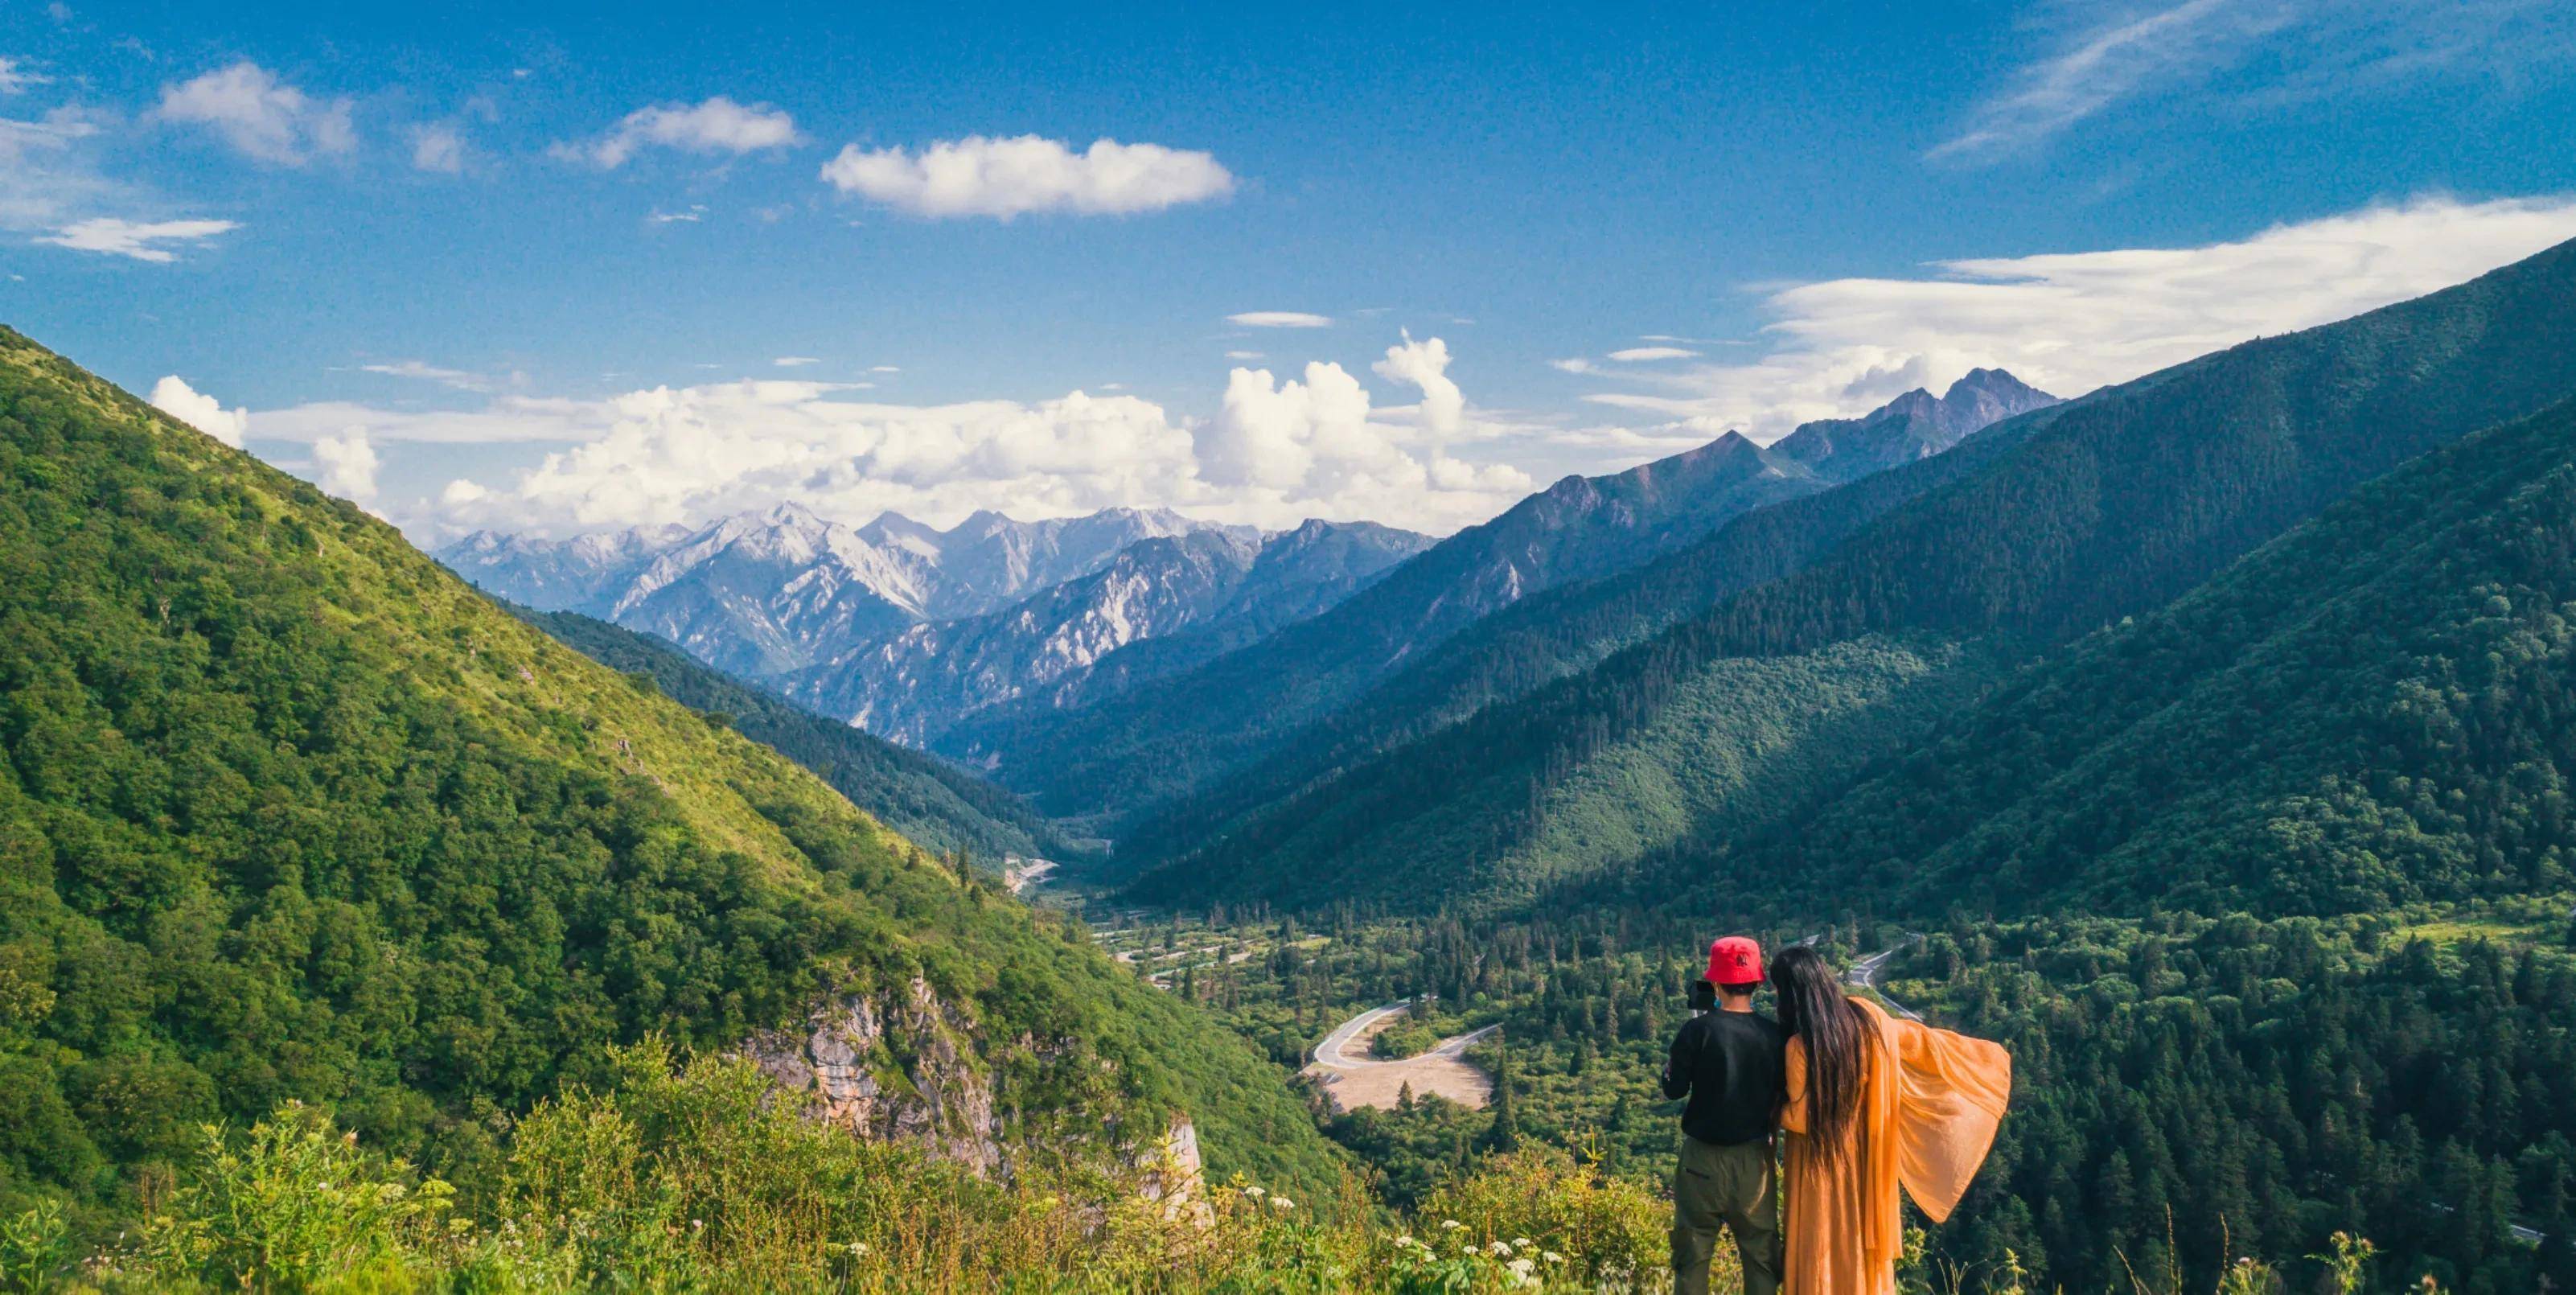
pixel 1793 1109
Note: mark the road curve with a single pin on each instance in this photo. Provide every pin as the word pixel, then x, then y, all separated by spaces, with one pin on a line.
pixel 1329 1054
pixel 1864 975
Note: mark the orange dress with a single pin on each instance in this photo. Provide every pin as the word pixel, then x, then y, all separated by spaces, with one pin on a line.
pixel 1930 1102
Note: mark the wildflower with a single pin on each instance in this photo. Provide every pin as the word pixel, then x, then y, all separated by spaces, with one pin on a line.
pixel 1499 1249
pixel 1552 1257
pixel 1520 1243
pixel 1451 1225
pixel 1521 1274
pixel 1406 1241
pixel 697 1225
pixel 1282 1203
pixel 1254 1191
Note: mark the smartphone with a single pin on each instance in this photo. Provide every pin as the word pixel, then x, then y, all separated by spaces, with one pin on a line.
pixel 1703 996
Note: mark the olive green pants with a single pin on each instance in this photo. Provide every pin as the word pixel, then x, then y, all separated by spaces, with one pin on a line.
pixel 1730 1185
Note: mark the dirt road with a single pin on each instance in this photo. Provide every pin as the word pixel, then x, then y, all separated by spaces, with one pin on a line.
pixel 1356 1081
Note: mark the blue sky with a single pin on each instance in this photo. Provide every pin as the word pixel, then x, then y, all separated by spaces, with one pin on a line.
pixel 538 250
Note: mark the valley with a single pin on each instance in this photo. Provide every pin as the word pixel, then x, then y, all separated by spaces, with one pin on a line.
pixel 2201 736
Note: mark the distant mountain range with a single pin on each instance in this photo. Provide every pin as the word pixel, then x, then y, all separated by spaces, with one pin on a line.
pixel 1130 755
pixel 779 589
pixel 903 628
pixel 1216 586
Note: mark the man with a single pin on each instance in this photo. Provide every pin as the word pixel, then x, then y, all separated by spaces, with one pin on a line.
pixel 1728 1062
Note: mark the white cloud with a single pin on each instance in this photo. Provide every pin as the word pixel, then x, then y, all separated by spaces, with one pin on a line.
pixel 1243 355
pixel 2071 322
pixel 695 213
pixel 138 239
pixel 883 368
pixel 15 78
pixel 1279 319
pixel 46 175
pixel 2236 55
pixel 2103 66
pixel 173 396
pixel 794 361
pixel 1425 364
pixel 718 125
pixel 1576 364
pixel 504 420
pixel 253 111
pixel 427 372
pixel 1643 354
pixel 348 465
pixel 1275 454
pixel 438 147
pixel 1003 178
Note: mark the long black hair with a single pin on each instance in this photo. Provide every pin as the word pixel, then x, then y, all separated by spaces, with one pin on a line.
pixel 1838 1037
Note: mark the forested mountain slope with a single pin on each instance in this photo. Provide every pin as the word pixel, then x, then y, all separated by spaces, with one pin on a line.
pixel 288 811
pixel 1126 752
pixel 922 798
pixel 2117 504
pixel 1554 634
pixel 2377 708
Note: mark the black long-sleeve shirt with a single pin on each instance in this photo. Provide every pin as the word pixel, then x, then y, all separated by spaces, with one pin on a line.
pixel 1730 1066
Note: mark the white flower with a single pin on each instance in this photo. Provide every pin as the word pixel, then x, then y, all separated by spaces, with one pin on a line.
pixel 1521 1274
pixel 1552 1257
pixel 1282 1203
pixel 1451 1225
pixel 1405 1241
pixel 1520 1243
pixel 1255 1192
pixel 1499 1249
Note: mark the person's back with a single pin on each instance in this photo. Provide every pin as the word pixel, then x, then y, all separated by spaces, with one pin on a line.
pixel 1729 1065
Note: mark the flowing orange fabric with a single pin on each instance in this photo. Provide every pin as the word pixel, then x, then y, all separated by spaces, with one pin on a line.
pixel 1930 1103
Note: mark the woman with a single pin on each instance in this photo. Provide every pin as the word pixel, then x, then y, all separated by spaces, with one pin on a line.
pixel 1873 1102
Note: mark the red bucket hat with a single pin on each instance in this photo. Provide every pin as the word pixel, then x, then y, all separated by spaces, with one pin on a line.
pixel 1735 960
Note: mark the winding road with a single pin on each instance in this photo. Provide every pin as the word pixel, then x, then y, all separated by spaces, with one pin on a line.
pixel 1375 1081
pixel 1864 975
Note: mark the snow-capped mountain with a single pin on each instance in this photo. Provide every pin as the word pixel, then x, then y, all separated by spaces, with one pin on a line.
pixel 764 593
pixel 1193 595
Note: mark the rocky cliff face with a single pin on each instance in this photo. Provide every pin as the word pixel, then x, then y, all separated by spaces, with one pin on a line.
pixel 900 1065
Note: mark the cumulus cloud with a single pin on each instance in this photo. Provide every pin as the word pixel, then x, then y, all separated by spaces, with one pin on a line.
pixel 1275 453
pixel 141 240
pixel 2070 322
pixel 438 147
pixel 1643 354
pixel 1425 365
pixel 1003 178
pixel 173 396
pixel 249 108
pixel 718 125
pixel 1279 319
pixel 347 464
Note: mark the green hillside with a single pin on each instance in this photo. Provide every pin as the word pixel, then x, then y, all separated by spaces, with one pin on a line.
pixel 922 798
pixel 1557 633
pixel 2111 505
pixel 2371 711
pixel 289 812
